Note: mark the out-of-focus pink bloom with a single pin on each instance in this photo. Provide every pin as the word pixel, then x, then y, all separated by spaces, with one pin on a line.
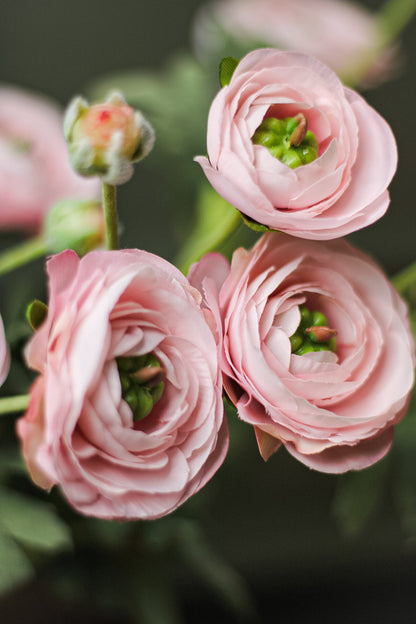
pixel 342 190
pixel 333 410
pixel 87 428
pixel 4 355
pixel 34 166
pixel 343 35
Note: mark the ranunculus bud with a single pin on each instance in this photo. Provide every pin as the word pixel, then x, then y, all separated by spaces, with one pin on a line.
pixel 104 139
pixel 74 224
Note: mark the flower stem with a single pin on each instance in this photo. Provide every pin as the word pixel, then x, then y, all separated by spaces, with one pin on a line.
pixel 405 278
pixel 390 20
pixel 110 214
pixel 19 403
pixel 21 254
pixel 393 17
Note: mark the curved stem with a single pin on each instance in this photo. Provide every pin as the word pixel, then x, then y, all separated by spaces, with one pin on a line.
pixel 18 403
pixel 390 20
pixel 110 214
pixel 394 16
pixel 21 254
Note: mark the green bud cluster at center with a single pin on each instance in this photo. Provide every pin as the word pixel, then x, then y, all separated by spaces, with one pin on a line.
pixel 140 396
pixel 303 342
pixel 275 134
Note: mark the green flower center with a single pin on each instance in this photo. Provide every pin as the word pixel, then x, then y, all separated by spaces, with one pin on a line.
pixel 288 140
pixel 142 383
pixel 313 333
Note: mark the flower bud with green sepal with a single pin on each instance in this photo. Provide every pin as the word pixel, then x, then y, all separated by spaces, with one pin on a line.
pixel 74 224
pixel 105 139
pixel 313 333
pixel 288 140
pixel 142 383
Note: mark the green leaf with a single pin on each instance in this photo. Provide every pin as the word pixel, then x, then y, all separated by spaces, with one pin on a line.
pixel 15 567
pixel 227 68
pixel 151 598
pixel 36 313
pixel 216 220
pixel 187 540
pixel 32 522
pixel 357 496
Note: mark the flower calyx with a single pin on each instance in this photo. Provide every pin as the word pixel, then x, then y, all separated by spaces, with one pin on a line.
pixel 106 138
pixel 142 383
pixel 288 140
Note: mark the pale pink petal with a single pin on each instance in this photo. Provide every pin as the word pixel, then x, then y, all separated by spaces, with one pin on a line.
pixel 343 190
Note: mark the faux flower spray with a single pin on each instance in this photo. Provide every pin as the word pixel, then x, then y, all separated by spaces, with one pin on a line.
pixel 303 333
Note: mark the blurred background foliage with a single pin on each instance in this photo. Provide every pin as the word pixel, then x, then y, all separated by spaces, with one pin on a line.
pixel 262 542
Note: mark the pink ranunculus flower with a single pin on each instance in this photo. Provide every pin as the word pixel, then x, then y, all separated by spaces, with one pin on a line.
pixel 342 190
pixel 34 167
pixel 335 408
pixel 343 35
pixel 89 426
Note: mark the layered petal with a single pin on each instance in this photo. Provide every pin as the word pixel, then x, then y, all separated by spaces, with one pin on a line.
pixel 333 408
pixel 341 190
pixel 81 430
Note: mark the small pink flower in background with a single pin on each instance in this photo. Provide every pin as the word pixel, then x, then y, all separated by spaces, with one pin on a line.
pixel 346 156
pixel 126 415
pixel 34 166
pixel 333 407
pixel 343 35
pixel 4 355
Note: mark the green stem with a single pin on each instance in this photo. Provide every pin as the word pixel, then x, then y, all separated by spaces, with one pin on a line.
pixel 389 22
pixel 19 403
pixel 110 215
pixel 21 254
pixel 406 278
pixel 394 16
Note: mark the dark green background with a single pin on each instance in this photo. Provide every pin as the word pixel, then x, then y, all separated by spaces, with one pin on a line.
pixel 272 521
pixel 58 47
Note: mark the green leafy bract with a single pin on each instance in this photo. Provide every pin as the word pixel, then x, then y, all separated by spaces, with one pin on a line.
pixel 36 313
pixel 227 68
pixel 15 567
pixel 32 522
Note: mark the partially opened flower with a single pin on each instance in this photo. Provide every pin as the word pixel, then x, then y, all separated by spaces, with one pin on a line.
pixel 293 149
pixel 34 168
pixel 344 35
pixel 317 349
pixel 106 138
pixel 126 414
